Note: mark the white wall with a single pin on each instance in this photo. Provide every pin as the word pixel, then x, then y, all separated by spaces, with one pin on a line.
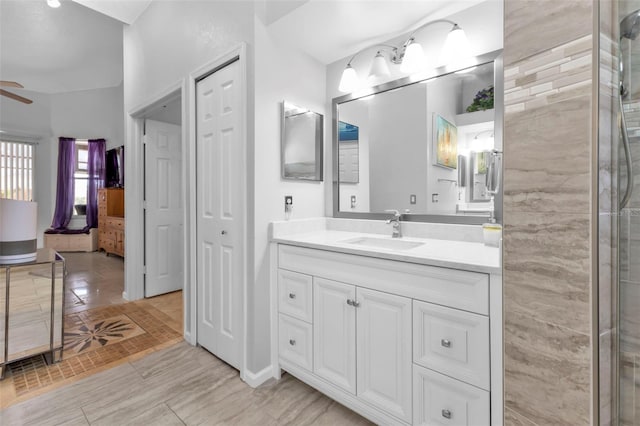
pixel 281 74
pixel 83 114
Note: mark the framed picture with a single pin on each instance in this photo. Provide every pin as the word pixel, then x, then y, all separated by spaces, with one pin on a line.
pixel 445 143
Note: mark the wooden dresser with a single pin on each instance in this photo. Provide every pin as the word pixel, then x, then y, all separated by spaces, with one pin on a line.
pixel 111 220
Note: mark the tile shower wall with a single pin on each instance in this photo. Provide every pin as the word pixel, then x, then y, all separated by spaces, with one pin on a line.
pixel 547 211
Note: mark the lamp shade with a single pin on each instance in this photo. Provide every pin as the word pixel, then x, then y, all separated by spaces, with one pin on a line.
pixel 18 231
pixel 414 59
pixel 379 67
pixel 349 81
pixel 456 51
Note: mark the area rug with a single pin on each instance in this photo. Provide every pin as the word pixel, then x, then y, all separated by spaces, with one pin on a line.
pixel 95 339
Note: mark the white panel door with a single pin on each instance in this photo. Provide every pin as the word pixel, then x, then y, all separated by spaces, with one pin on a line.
pixel 384 351
pixel 334 333
pixel 164 209
pixel 220 213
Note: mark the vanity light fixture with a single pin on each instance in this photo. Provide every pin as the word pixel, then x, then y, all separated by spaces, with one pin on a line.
pixel 53 3
pixel 410 56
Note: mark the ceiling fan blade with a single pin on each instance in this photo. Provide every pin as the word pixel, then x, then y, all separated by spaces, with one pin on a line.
pixel 15 97
pixel 6 83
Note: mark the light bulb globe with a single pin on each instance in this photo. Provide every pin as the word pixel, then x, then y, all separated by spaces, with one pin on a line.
pixel 414 59
pixel 53 3
pixel 349 81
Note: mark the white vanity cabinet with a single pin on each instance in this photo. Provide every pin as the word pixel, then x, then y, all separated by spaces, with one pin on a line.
pixel 398 342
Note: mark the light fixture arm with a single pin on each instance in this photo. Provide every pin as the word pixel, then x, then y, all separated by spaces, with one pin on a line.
pixel 397 58
pixel 394 52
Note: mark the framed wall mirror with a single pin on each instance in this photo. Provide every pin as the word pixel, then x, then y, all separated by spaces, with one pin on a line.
pixel 429 147
pixel 301 143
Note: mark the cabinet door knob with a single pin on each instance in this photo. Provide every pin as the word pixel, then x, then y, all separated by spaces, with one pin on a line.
pixel 292 295
pixel 223 232
pixel 356 304
pixel 446 343
pixel 349 302
pixel 292 342
pixel 446 414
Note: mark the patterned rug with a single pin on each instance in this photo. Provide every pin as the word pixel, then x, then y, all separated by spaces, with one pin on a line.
pixel 94 339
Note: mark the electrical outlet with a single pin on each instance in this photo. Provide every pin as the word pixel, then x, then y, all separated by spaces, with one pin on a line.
pixel 412 199
pixel 353 201
pixel 434 198
pixel 288 201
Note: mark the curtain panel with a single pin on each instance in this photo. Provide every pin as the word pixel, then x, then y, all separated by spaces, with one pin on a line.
pixel 65 192
pixel 97 175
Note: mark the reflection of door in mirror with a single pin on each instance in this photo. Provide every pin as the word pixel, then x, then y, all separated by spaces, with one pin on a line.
pixel 348 163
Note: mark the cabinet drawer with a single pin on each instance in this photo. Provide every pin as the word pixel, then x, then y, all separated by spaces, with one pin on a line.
pixel 452 342
pixel 295 295
pixel 108 234
pixel 441 400
pixel 295 341
pixel 115 222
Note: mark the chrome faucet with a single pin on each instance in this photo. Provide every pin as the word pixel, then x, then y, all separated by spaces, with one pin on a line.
pixel 395 222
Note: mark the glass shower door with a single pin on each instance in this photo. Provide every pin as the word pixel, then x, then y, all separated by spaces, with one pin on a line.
pixel 628 306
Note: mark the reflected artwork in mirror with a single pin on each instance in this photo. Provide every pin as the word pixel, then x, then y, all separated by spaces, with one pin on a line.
pixel 301 143
pixel 429 148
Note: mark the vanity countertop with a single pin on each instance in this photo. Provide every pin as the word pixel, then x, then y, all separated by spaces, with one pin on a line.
pixel 470 256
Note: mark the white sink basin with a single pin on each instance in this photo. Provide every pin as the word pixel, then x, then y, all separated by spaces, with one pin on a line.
pixel 384 243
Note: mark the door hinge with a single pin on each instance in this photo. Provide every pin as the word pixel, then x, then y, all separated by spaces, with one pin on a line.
pixel 144 270
pixel 144 204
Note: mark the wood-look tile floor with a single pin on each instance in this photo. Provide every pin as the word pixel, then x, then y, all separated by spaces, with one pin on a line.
pixel 180 385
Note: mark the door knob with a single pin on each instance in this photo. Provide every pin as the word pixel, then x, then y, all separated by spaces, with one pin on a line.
pixel 446 343
pixel 446 414
pixel 292 295
pixel 223 232
pixel 292 342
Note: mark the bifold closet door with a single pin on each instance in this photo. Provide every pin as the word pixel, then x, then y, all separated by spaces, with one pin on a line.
pixel 220 209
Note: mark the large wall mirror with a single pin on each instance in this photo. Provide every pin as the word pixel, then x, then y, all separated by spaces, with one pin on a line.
pixel 301 144
pixel 429 148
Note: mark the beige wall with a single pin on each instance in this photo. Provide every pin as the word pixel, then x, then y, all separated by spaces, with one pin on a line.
pixel 548 215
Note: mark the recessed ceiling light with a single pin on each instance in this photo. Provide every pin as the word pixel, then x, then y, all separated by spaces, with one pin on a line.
pixel 53 3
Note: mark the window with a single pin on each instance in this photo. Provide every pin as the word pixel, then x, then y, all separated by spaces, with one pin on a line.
pixel 81 174
pixel 16 170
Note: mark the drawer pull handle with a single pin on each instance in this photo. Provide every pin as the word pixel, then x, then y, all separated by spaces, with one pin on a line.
pixel 292 342
pixel 349 302
pixel 446 343
pixel 446 414
pixel 292 295
pixel 223 232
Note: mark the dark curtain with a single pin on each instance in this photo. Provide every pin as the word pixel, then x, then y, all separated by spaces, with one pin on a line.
pixel 96 170
pixel 65 194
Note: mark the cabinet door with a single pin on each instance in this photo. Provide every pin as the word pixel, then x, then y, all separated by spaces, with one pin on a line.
pixel 384 351
pixel 334 333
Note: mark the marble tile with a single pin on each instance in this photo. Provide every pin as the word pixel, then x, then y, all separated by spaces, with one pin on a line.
pixel 547 371
pixel 629 316
pixel 534 26
pixel 606 372
pixel 547 268
pixel 546 159
pixel 629 390
pixel 511 418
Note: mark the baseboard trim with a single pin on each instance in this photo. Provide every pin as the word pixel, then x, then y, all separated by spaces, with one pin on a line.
pixel 256 379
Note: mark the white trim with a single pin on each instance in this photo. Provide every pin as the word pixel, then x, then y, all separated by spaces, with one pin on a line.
pixel 273 303
pixel 256 379
pixel 239 51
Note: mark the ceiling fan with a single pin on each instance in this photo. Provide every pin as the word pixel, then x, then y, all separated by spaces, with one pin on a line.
pixel 4 83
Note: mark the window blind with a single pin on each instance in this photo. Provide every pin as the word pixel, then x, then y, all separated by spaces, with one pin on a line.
pixel 16 170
